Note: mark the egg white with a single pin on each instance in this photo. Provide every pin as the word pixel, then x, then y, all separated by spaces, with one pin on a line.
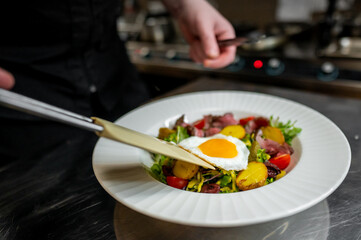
pixel 237 163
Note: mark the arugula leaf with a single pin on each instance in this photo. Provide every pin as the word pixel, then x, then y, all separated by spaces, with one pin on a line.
pixel 288 129
pixel 178 136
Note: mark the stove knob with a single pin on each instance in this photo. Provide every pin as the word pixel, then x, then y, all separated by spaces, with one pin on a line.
pixel 327 72
pixel 237 64
pixel 275 67
pixel 327 68
pixel 171 54
pixel 274 63
pixel 144 52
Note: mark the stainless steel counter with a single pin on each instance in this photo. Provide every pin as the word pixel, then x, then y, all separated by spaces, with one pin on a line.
pixel 337 217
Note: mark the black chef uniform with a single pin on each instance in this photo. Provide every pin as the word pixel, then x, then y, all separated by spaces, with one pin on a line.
pixel 66 53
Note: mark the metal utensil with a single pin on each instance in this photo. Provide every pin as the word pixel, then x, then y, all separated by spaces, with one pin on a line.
pixel 238 41
pixel 101 127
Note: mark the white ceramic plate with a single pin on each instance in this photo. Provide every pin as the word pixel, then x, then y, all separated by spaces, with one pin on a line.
pixel 320 163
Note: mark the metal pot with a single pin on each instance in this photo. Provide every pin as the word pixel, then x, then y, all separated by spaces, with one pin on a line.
pixel 157 30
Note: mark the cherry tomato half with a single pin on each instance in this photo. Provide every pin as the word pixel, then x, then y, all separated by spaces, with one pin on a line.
pixel 199 124
pixel 281 161
pixel 244 121
pixel 177 182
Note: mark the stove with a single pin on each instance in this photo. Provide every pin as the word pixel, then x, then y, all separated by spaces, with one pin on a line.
pixel 290 55
pixel 292 65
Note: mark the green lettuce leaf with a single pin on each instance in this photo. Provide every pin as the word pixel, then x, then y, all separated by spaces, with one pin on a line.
pixel 262 156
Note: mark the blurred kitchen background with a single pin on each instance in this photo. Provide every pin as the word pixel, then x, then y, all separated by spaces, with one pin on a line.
pixel 309 44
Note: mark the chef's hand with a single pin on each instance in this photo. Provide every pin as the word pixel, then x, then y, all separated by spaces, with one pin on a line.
pixel 202 26
pixel 7 80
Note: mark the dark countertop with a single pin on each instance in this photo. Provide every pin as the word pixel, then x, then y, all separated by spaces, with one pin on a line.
pixel 56 196
pixel 337 217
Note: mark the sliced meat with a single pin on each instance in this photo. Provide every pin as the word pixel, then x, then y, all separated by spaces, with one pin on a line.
pixel 208 121
pixel 167 170
pixel 211 188
pixel 223 121
pixel 255 124
pixel 193 131
pixel 211 131
pixel 285 149
pixel 273 148
pixel 180 122
pixel 250 127
pixel 261 122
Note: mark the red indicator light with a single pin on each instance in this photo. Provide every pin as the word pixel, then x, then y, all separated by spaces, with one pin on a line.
pixel 258 64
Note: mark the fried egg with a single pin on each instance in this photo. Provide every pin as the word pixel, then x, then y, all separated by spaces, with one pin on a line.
pixel 226 152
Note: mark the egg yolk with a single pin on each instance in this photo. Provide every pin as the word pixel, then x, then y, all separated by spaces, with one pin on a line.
pixel 218 148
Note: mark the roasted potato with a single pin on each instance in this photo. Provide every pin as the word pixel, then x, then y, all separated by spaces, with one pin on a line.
pixel 273 133
pixel 253 177
pixel 236 131
pixel 184 170
pixel 165 132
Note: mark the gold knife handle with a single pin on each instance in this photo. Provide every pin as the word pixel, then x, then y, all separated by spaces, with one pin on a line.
pixel 146 142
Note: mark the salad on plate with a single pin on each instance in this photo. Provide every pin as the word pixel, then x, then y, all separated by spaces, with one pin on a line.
pixel 247 153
